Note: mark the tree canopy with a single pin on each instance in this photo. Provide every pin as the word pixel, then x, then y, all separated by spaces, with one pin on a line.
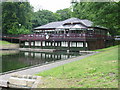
pixel 42 17
pixel 16 16
pixel 19 18
pixel 106 14
pixel 64 13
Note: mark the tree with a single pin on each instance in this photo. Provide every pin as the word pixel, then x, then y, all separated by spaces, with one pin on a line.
pixel 0 18
pixel 64 13
pixel 105 14
pixel 42 17
pixel 15 13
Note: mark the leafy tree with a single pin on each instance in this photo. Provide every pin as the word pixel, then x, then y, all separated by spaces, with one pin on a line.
pixel 15 13
pixel 64 13
pixel 0 18
pixel 42 17
pixel 21 30
pixel 105 14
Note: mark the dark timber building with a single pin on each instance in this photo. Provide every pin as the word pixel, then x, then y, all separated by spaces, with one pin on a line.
pixel 69 34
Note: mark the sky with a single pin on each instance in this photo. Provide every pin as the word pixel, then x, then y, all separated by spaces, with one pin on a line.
pixel 51 5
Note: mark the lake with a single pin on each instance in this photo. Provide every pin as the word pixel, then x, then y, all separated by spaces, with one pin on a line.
pixel 22 59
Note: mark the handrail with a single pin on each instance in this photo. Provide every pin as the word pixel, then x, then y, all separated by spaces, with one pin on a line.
pixel 58 36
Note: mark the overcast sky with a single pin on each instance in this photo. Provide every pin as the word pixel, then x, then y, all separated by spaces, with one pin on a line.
pixel 52 5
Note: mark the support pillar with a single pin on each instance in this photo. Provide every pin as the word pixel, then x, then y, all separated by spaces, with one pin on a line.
pixel 54 44
pixel 76 44
pixel 60 43
pixel 24 44
pixel 29 44
pixel 41 44
pixel 69 45
pixel 57 44
pixel 84 45
pixel 45 43
pixel 34 44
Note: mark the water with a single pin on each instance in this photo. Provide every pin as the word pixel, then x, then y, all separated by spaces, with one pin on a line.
pixel 26 59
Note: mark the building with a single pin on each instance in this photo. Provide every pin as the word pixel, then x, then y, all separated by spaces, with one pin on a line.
pixel 70 34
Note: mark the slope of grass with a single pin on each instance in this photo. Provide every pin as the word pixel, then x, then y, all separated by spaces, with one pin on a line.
pixel 97 71
pixel 4 42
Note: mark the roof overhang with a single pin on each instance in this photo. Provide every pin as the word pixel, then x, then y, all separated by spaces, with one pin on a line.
pixel 98 28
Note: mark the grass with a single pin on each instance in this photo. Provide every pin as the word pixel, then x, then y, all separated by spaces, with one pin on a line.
pixel 4 42
pixel 97 71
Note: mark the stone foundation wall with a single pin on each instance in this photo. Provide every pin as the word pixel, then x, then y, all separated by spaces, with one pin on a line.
pixel 9 46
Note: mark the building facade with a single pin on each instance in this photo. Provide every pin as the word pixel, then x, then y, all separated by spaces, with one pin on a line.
pixel 70 34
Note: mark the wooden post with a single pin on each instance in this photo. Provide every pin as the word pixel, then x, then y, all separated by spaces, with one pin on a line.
pixel 29 44
pixel 50 44
pixel 76 44
pixel 54 44
pixel 88 44
pixel 45 43
pixel 57 43
pixel 41 44
pixel 84 45
pixel 68 45
pixel 34 44
pixel 24 44
pixel 60 43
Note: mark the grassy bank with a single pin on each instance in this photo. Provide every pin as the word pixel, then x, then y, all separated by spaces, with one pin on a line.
pixel 4 42
pixel 6 45
pixel 97 71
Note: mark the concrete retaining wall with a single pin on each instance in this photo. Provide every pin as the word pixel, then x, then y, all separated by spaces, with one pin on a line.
pixel 9 46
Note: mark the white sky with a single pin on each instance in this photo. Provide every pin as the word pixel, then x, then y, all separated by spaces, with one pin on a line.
pixel 52 5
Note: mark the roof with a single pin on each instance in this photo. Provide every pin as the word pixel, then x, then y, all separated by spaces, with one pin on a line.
pixel 67 24
pixel 49 25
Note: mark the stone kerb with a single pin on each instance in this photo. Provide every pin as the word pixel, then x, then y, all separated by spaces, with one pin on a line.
pixel 24 81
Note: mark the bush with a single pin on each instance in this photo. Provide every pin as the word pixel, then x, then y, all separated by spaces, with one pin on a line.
pixel 17 31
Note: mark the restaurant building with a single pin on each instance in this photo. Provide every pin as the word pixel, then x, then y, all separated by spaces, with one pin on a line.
pixel 70 34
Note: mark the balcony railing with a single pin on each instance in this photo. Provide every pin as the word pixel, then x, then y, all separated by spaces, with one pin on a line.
pixel 70 36
pixel 58 37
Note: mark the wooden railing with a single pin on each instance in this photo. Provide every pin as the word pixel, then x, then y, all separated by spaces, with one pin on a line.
pixel 10 36
pixel 57 37
pixel 70 36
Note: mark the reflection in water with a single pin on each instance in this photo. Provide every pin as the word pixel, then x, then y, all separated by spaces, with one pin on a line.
pixel 7 52
pixel 26 59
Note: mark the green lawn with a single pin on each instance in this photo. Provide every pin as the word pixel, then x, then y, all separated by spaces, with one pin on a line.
pixel 4 42
pixel 97 71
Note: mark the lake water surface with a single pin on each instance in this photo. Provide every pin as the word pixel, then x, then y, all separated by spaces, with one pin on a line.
pixel 26 59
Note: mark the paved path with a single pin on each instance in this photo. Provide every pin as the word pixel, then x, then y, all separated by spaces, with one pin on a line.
pixel 35 70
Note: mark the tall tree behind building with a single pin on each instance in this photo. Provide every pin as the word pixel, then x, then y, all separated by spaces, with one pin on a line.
pixel 42 17
pixel 105 14
pixel 64 13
